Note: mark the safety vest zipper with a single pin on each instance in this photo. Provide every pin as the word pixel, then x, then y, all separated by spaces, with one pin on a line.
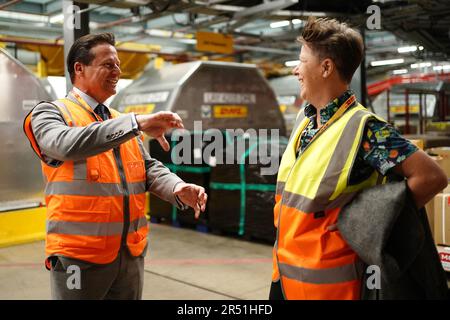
pixel 126 197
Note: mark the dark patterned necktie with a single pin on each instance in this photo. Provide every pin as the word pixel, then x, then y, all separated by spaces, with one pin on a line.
pixel 102 111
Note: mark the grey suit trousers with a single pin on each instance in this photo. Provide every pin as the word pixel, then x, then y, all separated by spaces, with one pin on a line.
pixel 122 279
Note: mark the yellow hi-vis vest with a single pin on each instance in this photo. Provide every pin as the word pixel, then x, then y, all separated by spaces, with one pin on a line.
pixel 94 205
pixel 310 257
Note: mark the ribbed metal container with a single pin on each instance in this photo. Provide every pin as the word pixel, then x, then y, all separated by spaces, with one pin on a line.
pixel 21 183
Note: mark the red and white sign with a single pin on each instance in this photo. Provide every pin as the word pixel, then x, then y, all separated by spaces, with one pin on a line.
pixel 444 255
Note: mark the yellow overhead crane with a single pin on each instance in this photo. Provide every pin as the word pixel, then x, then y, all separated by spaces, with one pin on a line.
pixel 133 56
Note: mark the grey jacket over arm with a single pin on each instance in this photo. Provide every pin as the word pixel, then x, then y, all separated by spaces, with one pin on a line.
pixel 384 227
pixel 59 142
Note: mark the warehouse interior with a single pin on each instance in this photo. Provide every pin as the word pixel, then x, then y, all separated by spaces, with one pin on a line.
pixel 182 56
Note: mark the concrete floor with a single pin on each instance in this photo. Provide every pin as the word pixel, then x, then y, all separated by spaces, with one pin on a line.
pixel 180 264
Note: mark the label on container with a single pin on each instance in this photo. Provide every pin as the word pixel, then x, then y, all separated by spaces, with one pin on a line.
pixel 140 108
pixel 230 111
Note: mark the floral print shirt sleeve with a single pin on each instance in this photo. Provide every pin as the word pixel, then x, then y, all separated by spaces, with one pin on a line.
pixel 383 147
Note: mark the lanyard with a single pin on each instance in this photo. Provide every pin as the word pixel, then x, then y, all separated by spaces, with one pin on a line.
pixel 84 105
pixel 347 104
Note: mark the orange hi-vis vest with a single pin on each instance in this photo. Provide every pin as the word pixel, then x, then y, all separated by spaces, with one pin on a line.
pixel 310 257
pixel 94 205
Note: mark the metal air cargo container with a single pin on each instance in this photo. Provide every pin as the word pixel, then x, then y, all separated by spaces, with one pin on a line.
pixel 206 95
pixel 21 184
pixel 287 90
pixel 220 95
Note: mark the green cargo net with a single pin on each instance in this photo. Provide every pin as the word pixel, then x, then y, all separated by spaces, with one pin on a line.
pixel 243 186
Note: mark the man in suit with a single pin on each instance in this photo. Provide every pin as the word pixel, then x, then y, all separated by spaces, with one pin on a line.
pixel 97 172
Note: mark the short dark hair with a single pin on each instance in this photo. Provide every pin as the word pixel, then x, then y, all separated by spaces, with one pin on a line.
pixel 81 50
pixel 329 38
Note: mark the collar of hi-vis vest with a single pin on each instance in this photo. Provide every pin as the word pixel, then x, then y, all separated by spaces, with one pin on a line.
pixel 318 178
pixel 90 101
pixel 74 98
pixel 336 114
pixel 330 109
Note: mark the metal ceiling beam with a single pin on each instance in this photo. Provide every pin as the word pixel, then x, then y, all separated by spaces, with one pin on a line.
pixel 116 3
pixel 23 6
pixel 53 7
pixel 183 7
pixel 228 13
pixel 265 50
pixel 60 43
pixel 31 30
pixel 264 8
pixel 8 4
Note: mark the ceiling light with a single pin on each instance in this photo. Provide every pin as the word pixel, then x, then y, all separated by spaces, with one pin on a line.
pixel 407 49
pixel 420 48
pixel 278 24
pixel 188 41
pixel 138 2
pixel 439 68
pixel 292 63
pixel 56 18
pixel 23 16
pixel 386 62
pixel 159 33
pixel 421 65
pixel 296 21
pixel 400 71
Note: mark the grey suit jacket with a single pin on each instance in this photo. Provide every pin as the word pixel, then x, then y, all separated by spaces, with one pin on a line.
pixel 59 142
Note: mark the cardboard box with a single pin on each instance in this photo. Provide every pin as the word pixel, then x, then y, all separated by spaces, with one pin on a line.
pixel 444 255
pixel 442 157
pixel 441 151
pixel 429 207
pixel 446 190
pixel 442 219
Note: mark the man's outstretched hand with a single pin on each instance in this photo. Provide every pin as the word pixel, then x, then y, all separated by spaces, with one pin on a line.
pixel 192 195
pixel 156 124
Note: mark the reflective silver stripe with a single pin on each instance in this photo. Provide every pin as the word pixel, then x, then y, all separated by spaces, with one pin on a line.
pixel 141 146
pixel 330 179
pixel 280 187
pixel 340 155
pixel 299 120
pixel 85 228
pixel 83 188
pixel 136 187
pixel 93 228
pixel 88 188
pixel 80 170
pixel 340 274
pixel 63 106
pixel 308 205
pixel 138 223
